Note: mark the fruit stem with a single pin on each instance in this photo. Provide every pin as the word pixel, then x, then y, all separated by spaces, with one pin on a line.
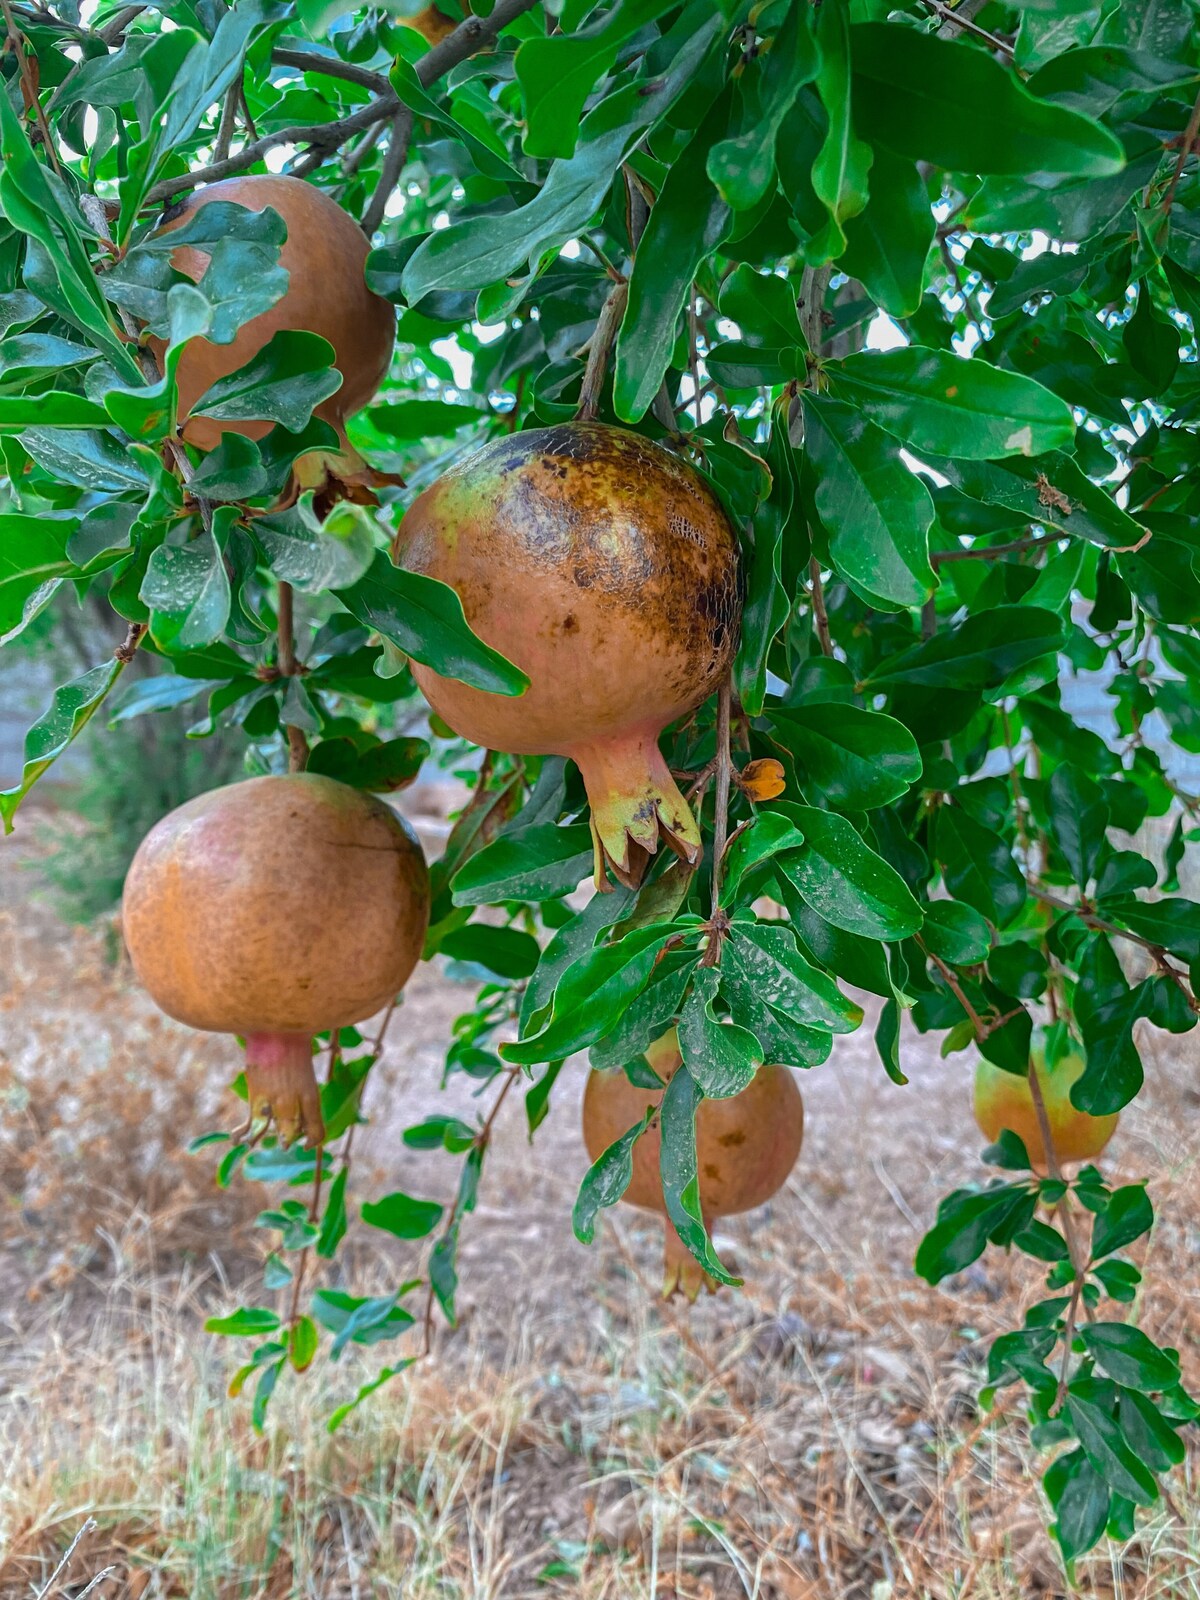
pixel 281 1085
pixel 599 347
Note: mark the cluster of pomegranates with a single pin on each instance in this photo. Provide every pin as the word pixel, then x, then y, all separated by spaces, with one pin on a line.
pixel 604 567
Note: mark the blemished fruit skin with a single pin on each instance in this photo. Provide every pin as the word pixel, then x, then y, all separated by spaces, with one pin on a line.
pixel 324 254
pixel 606 569
pixel 745 1146
pixel 276 908
pixel 1004 1100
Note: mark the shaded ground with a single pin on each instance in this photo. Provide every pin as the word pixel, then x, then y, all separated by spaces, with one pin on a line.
pixel 814 1436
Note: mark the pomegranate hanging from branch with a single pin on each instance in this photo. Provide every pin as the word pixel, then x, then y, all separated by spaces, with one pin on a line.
pixel 607 570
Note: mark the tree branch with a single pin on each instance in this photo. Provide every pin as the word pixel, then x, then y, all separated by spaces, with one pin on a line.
pixel 599 349
pixel 990 552
pixel 393 166
pixel 1185 150
pixel 820 614
pixel 332 66
pixel 467 39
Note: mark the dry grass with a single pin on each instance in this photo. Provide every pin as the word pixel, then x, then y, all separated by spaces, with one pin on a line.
pixel 810 1439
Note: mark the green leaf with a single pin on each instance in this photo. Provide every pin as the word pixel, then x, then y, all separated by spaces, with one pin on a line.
pixel 245 1322
pixel 353 1319
pixel 846 757
pixel 678 1164
pixel 1127 1216
pixel 933 100
pixel 1148 1433
pixel 876 512
pixel 303 1342
pixel 979 653
pixel 1090 1408
pixel 71 708
pixel 1080 1498
pixel 1106 1011
pixel 844 881
pixel 721 1057
pixel 507 952
pixel 936 401
pixel 592 995
pixel 687 222
pixel 743 166
pixel 538 863
pixel 424 618
pixel 767 835
pixel 537 1101
pixel 977 865
pixel 839 174
pixel 607 1179
pixel 967 1220
pixel 558 72
pixel 92 460
pixel 283 382
pixel 414 420
pixel 187 589
pixel 340 1413
pixel 333 1221
pixel 888 243
pixel 489 160
pixel 956 932
pixel 33 561
pixel 314 556
pixel 765 957
pixel 483 250
pixel 1129 1356
pixel 1079 817
pixel 402 1216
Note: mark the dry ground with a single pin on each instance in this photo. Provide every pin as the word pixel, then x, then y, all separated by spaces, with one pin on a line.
pixel 811 1438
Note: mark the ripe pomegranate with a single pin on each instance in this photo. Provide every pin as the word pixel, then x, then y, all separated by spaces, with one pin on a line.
pixel 606 569
pixel 276 908
pixel 324 254
pixel 433 25
pixel 745 1147
pixel 1004 1100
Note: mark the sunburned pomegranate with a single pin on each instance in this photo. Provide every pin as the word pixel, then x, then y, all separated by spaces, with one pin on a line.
pixel 274 909
pixel 324 254
pixel 606 568
pixel 1005 1100
pixel 745 1147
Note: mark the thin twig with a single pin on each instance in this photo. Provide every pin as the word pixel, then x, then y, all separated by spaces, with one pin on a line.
pixel 28 86
pixel 468 38
pixel 599 348
pixel 946 13
pixel 331 66
pixel 820 615
pixel 228 121
pixel 1185 150
pixel 1102 925
pixel 289 667
pixel 127 649
pixel 482 1139
pixel 721 798
pixel 393 166
pixel 990 552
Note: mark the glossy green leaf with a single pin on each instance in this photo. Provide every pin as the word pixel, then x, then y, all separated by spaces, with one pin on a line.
pixel 764 955
pixel 956 932
pixel 539 863
pixel 681 1188
pixel 951 103
pixel 1129 1356
pixel 403 1216
pixel 70 710
pixel 424 618
pixel 978 865
pixel 721 1057
pixel 979 653
pixel 876 512
pixel 845 882
pixel 743 165
pixel 888 243
pixel 607 1179
pixel 934 400
pixel 848 758
pixel 284 382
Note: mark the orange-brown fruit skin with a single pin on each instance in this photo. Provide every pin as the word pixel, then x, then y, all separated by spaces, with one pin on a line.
pixel 606 569
pixel 324 254
pixel 433 25
pixel 1004 1100
pixel 745 1146
pixel 276 908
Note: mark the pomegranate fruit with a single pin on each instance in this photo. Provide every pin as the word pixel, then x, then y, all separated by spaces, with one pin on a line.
pixel 324 254
pixel 274 909
pixel 607 570
pixel 745 1147
pixel 433 25
pixel 1004 1100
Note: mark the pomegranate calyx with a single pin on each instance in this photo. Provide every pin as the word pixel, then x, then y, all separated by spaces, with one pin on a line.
pixel 635 805
pixel 682 1273
pixel 282 1087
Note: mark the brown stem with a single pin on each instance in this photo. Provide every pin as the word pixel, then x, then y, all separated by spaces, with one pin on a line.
pixel 471 36
pixel 127 649
pixel 981 1028
pixel 317 61
pixel 938 558
pixel 694 352
pixel 28 86
pixel 289 667
pixel 1161 955
pixel 721 798
pixel 946 13
pixel 229 112
pixel 389 176
pixel 482 1139
pixel 820 615
pixel 1185 149
pixel 599 349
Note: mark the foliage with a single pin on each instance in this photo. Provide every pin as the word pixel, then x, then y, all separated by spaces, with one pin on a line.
pixel 936 534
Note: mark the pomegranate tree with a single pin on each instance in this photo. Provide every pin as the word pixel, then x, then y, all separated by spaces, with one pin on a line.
pixel 745 1147
pixel 606 569
pixel 275 909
